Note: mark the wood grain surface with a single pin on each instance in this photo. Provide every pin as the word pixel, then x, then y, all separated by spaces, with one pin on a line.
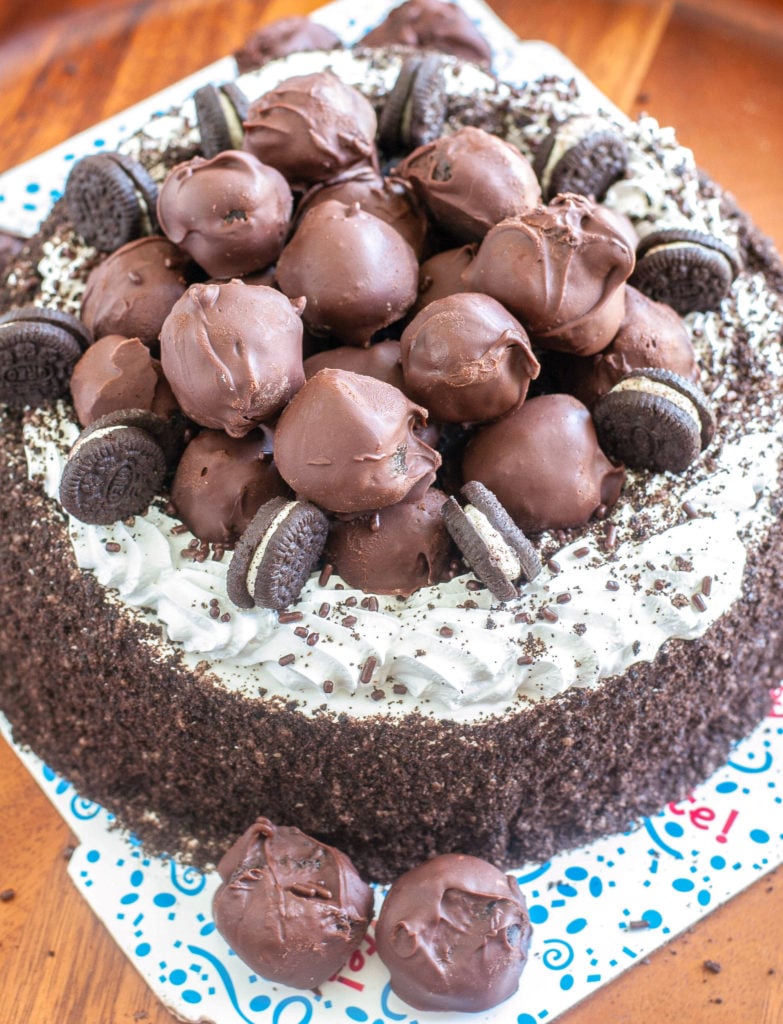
pixel 714 69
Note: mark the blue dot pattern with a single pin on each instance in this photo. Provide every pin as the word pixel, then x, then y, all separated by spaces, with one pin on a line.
pixel 595 911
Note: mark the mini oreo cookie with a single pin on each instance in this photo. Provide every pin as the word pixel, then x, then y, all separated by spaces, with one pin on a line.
pixel 654 419
pixel 112 472
pixel 171 433
pixel 688 270
pixel 415 109
pixel 38 350
pixel 111 200
pixel 582 155
pixel 491 543
pixel 276 554
pixel 220 111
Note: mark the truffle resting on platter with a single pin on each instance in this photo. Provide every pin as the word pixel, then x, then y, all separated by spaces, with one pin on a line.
pixel 396 726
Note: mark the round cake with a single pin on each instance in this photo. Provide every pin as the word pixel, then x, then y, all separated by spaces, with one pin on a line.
pixel 392 726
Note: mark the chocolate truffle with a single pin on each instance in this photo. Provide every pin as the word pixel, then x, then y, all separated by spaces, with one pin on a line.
pixel 312 127
pixel 560 269
pixel 394 551
pixel 544 464
pixel 470 181
pixel 356 273
pixel 651 335
pixel 381 361
pixel 284 36
pixel 454 933
pixel 291 908
pixel 132 291
pixel 119 373
pixel 467 359
pixel 442 275
pixel 231 213
pixel 434 25
pixel 221 482
pixel 391 199
pixel 348 443
pixel 232 354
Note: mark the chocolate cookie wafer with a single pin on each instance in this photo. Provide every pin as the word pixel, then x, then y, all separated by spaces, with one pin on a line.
pixel 276 554
pixel 415 109
pixel 38 350
pixel 112 472
pixel 220 111
pixel 584 155
pixel 654 419
pixel 686 269
pixel 491 543
pixel 111 200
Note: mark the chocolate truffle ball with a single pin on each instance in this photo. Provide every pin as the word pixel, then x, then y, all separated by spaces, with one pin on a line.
pixel 442 275
pixel 433 25
pixel 651 335
pixel 348 443
pixel 454 933
pixel 232 354
pixel 562 270
pixel 132 291
pixel 312 127
pixel 391 199
pixel 544 464
pixel 221 482
pixel 291 908
pixel 471 180
pixel 119 373
pixel 284 36
pixel 396 550
pixel 467 359
pixel 356 273
pixel 231 213
pixel 381 361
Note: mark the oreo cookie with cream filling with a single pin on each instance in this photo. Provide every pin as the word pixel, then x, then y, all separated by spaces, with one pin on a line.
pixel 276 554
pixel 39 348
pixel 111 200
pixel 220 111
pixel 415 109
pixel 654 419
pixel 491 543
pixel 113 471
pixel 689 270
pixel 584 155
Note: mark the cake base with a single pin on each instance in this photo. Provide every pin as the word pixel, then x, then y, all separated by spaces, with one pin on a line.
pixel 187 765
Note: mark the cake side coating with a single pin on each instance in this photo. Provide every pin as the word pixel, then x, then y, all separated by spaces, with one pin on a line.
pixel 187 761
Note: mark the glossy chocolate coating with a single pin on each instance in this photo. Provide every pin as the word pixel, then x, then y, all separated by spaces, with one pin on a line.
pixel 119 373
pixel 454 933
pixel 221 482
pixel 231 213
pixel 390 199
pixel 467 359
pixel 356 273
pixel 560 269
pixel 312 127
pixel 434 25
pixel 348 443
pixel 394 551
pixel 651 334
pixel 544 464
pixel 381 361
pixel 442 275
pixel 470 181
pixel 291 908
pixel 232 354
pixel 132 291
pixel 281 37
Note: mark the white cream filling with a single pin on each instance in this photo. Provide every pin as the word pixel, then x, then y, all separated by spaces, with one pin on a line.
pixel 499 552
pixel 260 552
pixel 642 385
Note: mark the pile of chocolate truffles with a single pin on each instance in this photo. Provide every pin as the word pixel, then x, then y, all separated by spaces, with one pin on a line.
pixel 367 341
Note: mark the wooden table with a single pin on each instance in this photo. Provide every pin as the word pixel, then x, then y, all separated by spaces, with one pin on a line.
pixel 713 68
